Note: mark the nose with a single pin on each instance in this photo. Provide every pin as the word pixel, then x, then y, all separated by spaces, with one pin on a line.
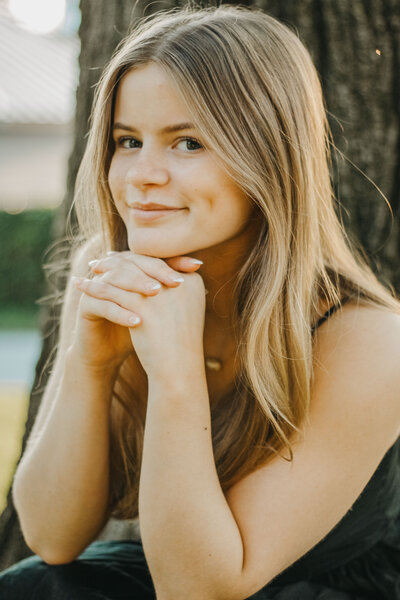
pixel 147 169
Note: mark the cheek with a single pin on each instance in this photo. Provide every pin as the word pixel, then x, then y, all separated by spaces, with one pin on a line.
pixel 116 178
pixel 225 196
pixel 240 215
pixel 235 205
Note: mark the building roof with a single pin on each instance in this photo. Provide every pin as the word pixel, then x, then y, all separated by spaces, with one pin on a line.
pixel 38 74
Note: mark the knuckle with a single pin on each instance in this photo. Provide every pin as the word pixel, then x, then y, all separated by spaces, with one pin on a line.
pixel 107 276
pixel 168 271
pixel 88 306
pixel 156 263
pixel 106 309
pixel 111 311
pixel 153 285
pixel 100 286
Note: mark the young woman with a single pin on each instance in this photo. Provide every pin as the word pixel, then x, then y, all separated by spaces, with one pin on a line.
pixel 198 381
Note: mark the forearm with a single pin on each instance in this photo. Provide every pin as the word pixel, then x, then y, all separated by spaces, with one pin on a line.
pixel 62 483
pixel 191 540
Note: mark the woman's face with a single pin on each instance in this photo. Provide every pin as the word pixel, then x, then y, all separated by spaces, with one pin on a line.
pixel 160 158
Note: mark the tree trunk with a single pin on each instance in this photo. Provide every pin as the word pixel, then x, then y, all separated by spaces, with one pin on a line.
pixel 355 46
pixel 356 49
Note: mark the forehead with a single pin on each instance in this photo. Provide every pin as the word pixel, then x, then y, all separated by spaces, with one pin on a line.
pixel 149 94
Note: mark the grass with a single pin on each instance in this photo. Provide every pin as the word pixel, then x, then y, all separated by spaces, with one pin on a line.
pixel 14 398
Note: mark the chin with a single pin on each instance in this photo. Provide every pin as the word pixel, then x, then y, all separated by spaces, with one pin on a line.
pixel 157 250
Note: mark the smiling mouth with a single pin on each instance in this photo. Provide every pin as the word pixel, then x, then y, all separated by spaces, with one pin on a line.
pixel 150 214
pixel 153 206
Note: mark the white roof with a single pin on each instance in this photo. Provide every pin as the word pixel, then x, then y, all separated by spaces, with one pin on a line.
pixel 38 74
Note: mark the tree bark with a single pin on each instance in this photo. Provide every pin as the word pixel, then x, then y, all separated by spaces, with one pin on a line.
pixel 355 47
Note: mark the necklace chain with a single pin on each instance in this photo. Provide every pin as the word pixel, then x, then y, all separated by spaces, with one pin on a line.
pixel 214 364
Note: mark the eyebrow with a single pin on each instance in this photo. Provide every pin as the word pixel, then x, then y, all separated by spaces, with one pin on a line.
pixel 168 129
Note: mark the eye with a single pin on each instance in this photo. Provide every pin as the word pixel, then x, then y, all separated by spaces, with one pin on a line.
pixel 128 142
pixel 190 144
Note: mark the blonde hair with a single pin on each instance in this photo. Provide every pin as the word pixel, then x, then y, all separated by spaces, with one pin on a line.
pixel 255 95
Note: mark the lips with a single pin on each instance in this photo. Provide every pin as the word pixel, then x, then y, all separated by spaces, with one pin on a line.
pixel 151 212
pixel 152 206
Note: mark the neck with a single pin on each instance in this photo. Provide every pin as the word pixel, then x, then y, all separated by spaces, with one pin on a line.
pixel 222 264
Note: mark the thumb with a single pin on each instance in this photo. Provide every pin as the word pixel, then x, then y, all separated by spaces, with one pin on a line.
pixel 184 263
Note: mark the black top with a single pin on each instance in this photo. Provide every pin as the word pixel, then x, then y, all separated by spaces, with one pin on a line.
pixel 359 559
pixel 360 556
pixel 328 313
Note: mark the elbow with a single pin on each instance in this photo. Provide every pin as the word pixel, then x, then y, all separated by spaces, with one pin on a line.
pixel 50 555
pixel 51 550
pixel 33 538
pixel 54 559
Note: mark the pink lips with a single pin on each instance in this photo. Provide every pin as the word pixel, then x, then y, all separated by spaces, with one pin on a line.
pixel 153 206
pixel 150 212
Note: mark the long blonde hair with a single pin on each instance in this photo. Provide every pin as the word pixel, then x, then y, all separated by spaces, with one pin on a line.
pixel 255 95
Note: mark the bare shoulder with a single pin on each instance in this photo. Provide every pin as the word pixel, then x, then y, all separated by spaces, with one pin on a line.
pixel 359 331
pixel 285 508
pixel 360 319
pixel 356 357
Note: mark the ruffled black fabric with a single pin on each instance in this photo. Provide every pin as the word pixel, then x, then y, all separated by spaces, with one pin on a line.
pixel 361 554
pixel 359 559
pixel 374 575
pixel 304 590
pixel 104 571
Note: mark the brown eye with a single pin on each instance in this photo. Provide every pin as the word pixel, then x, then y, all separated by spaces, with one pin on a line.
pixel 189 144
pixel 128 143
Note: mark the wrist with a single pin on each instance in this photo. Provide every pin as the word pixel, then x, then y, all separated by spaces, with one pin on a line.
pixel 174 371
pixel 177 377
pixel 99 374
pixel 183 399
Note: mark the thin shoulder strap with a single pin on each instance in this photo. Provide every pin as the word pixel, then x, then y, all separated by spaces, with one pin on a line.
pixel 328 313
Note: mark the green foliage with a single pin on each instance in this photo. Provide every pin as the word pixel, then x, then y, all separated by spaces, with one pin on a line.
pixel 19 317
pixel 24 239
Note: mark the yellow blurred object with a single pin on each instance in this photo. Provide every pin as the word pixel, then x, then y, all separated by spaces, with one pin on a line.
pixel 14 400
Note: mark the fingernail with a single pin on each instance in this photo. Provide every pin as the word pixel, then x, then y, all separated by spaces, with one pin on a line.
pixel 92 263
pixel 156 286
pixel 196 261
pixel 134 320
pixel 111 252
pixel 178 279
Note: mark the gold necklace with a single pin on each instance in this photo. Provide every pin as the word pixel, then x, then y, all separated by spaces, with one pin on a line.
pixel 214 364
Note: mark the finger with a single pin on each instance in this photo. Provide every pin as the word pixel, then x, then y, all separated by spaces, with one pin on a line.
pixel 130 278
pixel 184 263
pixel 97 288
pixel 94 307
pixel 180 263
pixel 155 268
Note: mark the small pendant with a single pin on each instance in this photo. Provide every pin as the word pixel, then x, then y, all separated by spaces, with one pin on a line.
pixel 213 363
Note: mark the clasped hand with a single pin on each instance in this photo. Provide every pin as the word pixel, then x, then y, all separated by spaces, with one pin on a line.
pixel 167 295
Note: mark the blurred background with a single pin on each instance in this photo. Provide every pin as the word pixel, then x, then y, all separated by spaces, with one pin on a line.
pixel 52 53
pixel 39 48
